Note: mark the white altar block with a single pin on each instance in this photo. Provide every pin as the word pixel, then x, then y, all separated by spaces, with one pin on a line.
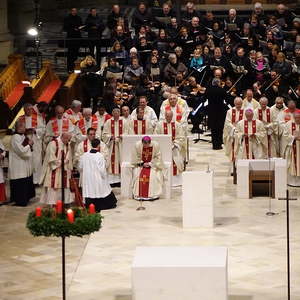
pixel 128 143
pixel 180 273
pixel 243 166
pixel 197 199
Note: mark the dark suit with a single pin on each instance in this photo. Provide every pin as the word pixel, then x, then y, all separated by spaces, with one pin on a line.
pixel 216 114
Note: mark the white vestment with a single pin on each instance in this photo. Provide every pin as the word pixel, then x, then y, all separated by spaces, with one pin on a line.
pixel 147 182
pixel 149 114
pixel 178 147
pixel 265 116
pixel 112 136
pixel 72 116
pixel 55 127
pixel 38 124
pixel 250 140
pixel 83 125
pixel 233 116
pixel 291 152
pixel 51 177
pixel 20 158
pixel 94 176
pixel 140 127
pixel 2 162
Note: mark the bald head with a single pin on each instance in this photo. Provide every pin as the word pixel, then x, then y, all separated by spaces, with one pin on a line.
pixel 66 137
pixel 169 116
pixel 59 111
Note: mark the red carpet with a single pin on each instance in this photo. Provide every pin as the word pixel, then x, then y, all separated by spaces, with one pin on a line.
pixel 15 95
pixel 50 91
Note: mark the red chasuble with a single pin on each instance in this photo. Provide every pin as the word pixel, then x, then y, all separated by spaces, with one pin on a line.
pixel 144 178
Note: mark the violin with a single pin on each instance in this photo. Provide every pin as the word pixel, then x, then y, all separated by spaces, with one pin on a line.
pixel 154 85
pixel 199 89
pixel 124 86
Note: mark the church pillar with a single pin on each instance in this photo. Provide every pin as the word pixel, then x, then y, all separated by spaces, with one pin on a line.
pixel 6 39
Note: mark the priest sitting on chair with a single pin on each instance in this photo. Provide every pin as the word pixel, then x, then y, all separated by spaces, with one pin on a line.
pixel 148 170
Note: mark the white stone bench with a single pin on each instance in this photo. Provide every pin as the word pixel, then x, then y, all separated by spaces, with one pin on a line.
pixel 128 143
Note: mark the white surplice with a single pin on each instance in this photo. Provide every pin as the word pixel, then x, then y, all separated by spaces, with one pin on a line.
pixel 94 175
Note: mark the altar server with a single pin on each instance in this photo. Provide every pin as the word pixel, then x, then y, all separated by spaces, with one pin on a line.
pixel 21 167
pixel 95 185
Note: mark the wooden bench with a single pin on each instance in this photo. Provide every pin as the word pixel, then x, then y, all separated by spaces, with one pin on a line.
pixel 12 80
pixel 262 180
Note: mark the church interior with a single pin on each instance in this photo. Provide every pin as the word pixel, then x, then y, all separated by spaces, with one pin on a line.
pixel 229 198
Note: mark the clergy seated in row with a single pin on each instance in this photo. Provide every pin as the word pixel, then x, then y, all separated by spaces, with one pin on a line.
pixel 113 131
pixel 95 186
pixel 147 179
pixel 86 146
pixel 20 166
pixel 264 114
pixel 291 149
pixel 250 138
pixel 140 124
pixel 233 116
pixel 173 128
pixel 35 129
pixel 58 125
pixel 2 180
pixel 51 178
pixel 149 113
pixel 73 113
pixel 87 121
pixel 126 116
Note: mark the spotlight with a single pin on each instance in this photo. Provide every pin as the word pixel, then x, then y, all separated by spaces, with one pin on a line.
pixel 33 31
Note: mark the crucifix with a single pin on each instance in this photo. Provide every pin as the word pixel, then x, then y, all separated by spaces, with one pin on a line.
pixel 287 199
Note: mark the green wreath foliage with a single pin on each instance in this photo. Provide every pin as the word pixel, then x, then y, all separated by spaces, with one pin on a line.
pixel 52 224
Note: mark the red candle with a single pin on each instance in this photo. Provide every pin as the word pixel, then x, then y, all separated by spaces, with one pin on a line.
pixel 92 208
pixel 38 212
pixel 59 206
pixel 70 214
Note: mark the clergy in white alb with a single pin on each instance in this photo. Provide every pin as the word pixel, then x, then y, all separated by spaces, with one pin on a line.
pixel 172 128
pixel 58 125
pixel 35 128
pixel 51 177
pixel 140 124
pixel 113 131
pixel 277 117
pixel 101 115
pixel 250 138
pixel 73 113
pixel 149 112
pixel 233 116
pixel 180 113
pixel 95 186
pixel 125 114
pixel 291 149
pixel 87 121
pixel 249 102
pixel 147 179
pixel 20 167
pixel 264 115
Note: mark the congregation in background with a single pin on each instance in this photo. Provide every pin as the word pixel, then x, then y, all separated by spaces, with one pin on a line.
pixel 162 76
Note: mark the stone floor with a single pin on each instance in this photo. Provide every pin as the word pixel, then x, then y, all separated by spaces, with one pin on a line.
pixel 98 266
